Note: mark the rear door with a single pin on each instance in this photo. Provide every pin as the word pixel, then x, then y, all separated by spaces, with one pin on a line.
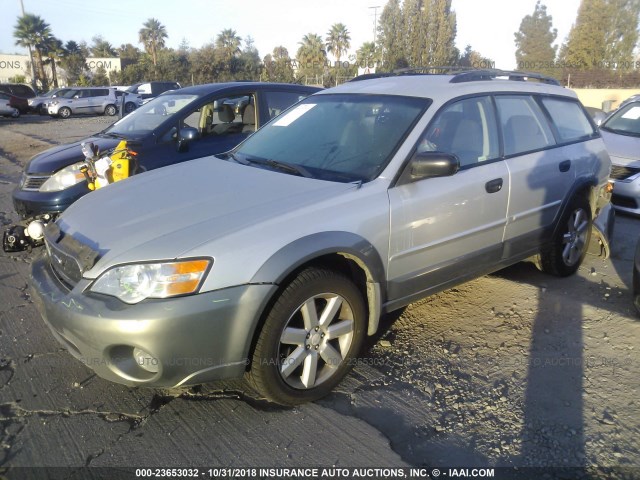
pixel 540 176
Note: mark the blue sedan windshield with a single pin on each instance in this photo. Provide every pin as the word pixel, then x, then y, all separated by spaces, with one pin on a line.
pixel 150 115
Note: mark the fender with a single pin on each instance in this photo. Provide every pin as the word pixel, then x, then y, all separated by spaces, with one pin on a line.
pixel 579 184
pixel 351 246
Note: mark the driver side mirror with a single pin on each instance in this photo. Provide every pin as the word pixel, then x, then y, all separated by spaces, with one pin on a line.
pixel 187 135
pixel 433 164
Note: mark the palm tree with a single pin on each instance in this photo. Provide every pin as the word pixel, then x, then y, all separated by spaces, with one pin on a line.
pixel 229 42
pixel 366 55
pixel 338 40
pixel 311 56
pixel 54 50
pixel 152 35
pixel 311 52
pixel 73 61
pixel 102 48
pixel 31 31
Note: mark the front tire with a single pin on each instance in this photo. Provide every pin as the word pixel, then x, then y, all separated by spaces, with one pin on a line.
pixel 15 113
pixel 110 110
pixel 310 338
pixel 570 243
pixel 64 112
pixel 129 107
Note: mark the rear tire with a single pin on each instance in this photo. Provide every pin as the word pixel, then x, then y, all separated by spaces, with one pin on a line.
pixel 570 242
pixel 310 338
pixel 110 110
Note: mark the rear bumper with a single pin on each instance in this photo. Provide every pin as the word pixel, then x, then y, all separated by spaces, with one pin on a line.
pixel 192 339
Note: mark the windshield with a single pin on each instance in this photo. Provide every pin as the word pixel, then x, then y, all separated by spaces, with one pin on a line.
pixel 150 115
pixel 625 121
pixel 342 137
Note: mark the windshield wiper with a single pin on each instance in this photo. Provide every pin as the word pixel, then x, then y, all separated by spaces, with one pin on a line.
pixel 112 135
pixel 286 167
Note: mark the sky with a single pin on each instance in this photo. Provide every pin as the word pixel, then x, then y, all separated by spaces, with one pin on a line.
pixel 487 25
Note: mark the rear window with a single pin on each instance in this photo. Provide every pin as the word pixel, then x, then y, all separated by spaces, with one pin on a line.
pixel 569 119
pixel 524 126
pixel 23 91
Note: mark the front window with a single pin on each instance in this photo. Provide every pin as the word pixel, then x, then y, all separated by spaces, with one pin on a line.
pixel 338 137
pixel 625 121
pixel 150 115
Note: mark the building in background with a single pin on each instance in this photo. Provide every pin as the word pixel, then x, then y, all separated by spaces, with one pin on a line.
pixel 12 66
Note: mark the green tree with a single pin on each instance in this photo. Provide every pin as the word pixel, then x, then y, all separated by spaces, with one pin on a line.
pixel 152 36
pixel 585 46
pixel 101 48
pixel 622 35
pixel 441 34
pixel 31 31
pixel 473 59
pixel 391 36
pixel 100 77
pixel 311 56
pixel 366 55
pixel 534 42
pixel 128 54
pixel 278 66
pixel 73 62
pixel 54 50
pixel 250 63
pixel 228 43
pixel 415 15
pixel 338 41
pixel 205 67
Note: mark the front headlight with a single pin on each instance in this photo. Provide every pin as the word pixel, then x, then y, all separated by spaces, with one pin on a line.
pixel 134 283
pixel 63 179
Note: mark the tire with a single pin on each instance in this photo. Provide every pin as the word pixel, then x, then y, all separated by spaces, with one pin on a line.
pixel 299 357
pixel 570 242
pixel 110 110
pixel 129 107
pixel 15 113
pixel 64 112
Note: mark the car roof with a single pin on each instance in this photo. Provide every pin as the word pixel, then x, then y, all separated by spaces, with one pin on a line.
pixel 214 87
pixel 445 87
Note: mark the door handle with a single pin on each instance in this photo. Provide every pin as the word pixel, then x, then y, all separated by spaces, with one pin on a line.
pixel 565 166
pixel 493 186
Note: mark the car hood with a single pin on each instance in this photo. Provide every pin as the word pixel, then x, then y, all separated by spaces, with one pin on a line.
pixel 53 159
pixel 623 149
pixel 165 213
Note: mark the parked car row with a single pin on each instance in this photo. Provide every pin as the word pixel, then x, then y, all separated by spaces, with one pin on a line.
pixel 276 256
pixel 68 101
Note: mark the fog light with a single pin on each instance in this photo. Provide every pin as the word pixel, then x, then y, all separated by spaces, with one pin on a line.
pixel 145 360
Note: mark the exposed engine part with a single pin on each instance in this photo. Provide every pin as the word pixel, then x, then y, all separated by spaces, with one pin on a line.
pixel 21 237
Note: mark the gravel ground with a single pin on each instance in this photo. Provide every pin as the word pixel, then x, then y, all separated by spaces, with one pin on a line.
pixel 513 369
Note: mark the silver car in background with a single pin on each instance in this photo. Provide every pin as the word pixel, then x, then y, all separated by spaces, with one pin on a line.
pixel 276 259
pixel 621 135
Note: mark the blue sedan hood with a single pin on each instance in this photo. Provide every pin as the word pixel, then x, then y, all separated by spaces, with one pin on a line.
pixel 53 159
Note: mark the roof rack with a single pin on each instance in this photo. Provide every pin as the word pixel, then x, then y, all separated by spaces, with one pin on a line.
pixel 492 74
pixel 463 74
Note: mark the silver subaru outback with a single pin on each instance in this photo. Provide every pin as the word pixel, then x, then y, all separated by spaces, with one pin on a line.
pixel 276 259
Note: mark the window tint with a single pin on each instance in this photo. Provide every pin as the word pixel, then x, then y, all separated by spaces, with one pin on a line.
pixel 467 129
pixel 277 102
pixel 523 125
pixel 569 118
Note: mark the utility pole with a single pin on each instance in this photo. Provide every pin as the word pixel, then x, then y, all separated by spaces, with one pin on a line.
pixel 375 31
pixel 375 23
pixel 33 70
